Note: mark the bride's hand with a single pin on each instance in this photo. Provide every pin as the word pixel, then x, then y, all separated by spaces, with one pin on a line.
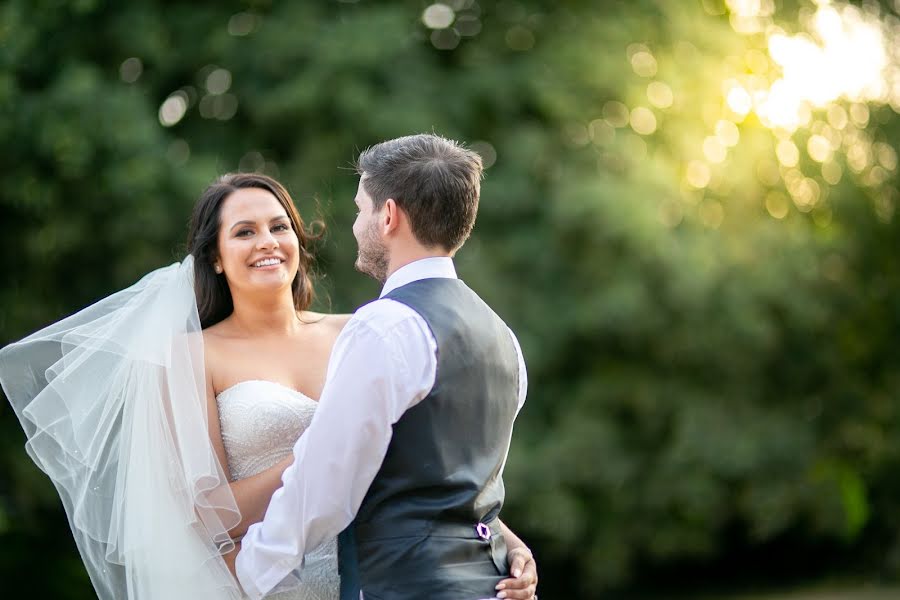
pixel 523 583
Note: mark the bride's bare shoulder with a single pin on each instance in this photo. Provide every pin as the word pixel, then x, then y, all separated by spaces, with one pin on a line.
pixel 331 322
pixel 215 336
pixel 339 321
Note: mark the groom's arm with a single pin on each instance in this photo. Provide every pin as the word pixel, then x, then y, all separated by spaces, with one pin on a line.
pixel 383 363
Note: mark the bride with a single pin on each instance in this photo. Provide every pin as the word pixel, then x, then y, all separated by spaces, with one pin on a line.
pixel 166 413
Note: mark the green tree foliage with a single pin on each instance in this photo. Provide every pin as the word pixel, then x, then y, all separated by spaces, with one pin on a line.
pixel 711 350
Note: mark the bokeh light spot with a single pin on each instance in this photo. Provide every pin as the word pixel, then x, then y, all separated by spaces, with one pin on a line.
pixel 226 106
pixel 858 157
pixel 886 155
pixel 178 152
pixel 242 24
pixel 486 151
pixel 670 213
pixel 660 95
pixel 616 113
pixel 173 109
pixel 218 81
pixel 634 48
pixel 221 107
pixel 445 39
pixel 804 190
pixel 837 116
pixel 577 134
pixel 777 204
pixel 819 148
pixel 438 16
pixel 642 120
pixel 859 114
pixel 831 172
pixel 714 150
pixel 739 100
pixel 712 214
pixel 886 204
pixel 698 174
pixel 728 133
pixel 644 64
pixel 252 162
pixel 130 70
pixel 468 25
pixel 602 133
pixel 876 177
pixel 787 153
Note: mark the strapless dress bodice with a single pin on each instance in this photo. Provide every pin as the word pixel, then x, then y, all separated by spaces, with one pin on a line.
pixel 260 423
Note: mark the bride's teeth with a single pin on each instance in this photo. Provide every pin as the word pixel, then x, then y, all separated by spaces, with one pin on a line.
pixel 267 262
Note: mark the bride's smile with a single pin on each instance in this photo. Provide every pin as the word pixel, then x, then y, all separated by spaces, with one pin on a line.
pixel 268 263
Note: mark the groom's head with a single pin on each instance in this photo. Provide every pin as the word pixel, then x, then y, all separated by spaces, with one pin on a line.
pixel 419 191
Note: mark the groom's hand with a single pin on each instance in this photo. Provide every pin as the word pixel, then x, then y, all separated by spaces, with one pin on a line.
pixel 523 583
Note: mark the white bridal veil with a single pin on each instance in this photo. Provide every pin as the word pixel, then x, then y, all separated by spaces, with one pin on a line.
pixel 113 402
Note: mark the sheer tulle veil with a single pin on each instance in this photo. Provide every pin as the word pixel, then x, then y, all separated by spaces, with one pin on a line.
pixel 113 403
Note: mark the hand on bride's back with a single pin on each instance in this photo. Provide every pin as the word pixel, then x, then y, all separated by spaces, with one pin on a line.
pixel 523 582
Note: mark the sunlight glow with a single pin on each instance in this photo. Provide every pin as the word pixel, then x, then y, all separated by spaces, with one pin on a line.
pixel 844 58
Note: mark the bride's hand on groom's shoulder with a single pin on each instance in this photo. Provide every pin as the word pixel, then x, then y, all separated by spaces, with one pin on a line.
pixel 523 581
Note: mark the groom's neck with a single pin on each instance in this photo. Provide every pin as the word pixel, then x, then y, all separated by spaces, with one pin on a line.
pixel 404 254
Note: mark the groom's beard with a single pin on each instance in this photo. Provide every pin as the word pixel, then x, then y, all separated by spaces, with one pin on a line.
pixel 373 256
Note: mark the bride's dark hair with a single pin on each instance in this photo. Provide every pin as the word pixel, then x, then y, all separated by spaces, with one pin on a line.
pixel 214 301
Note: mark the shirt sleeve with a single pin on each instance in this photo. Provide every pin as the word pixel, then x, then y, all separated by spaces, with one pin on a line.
pixel 523 374
pixel 379 368
pixel 523 391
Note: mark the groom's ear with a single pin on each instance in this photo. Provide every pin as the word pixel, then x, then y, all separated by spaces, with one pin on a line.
pixel 390 216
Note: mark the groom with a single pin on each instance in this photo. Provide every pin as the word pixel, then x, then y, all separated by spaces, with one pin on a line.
pixel 408 444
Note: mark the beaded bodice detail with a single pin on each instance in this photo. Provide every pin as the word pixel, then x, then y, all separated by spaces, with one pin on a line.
pixel 260 422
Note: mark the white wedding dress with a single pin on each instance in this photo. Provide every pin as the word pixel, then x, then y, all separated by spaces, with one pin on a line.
pixel 260 422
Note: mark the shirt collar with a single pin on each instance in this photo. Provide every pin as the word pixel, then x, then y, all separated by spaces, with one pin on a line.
pixel 425 268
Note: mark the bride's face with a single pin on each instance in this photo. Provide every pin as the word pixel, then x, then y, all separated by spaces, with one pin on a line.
pixel 258 248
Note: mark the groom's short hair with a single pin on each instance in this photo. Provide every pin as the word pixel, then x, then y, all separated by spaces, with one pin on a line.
pixel 434 180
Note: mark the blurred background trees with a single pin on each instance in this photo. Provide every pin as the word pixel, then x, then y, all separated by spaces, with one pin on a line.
pixel 688 216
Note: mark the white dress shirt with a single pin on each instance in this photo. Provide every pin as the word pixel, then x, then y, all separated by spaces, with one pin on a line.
pixel 383 363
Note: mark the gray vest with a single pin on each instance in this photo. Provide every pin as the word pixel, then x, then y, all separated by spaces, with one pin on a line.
pixel 427 527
